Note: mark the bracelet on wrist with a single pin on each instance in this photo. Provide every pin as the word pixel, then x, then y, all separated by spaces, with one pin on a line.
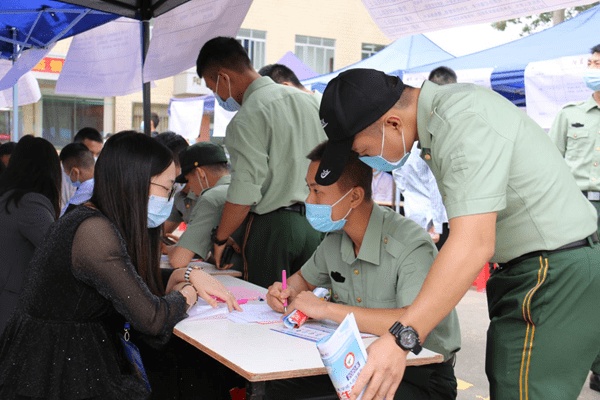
pixel 196 297
pixel 187 273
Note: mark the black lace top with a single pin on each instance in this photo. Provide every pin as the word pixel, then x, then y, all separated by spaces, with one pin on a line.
pixel 62 342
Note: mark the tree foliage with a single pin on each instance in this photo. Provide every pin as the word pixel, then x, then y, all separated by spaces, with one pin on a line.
pixel 534 23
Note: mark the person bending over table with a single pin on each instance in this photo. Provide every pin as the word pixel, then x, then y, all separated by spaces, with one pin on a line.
pixel 98 266
pixel 375 262
pixel 511 199
pixel 204 167
pixel 275 127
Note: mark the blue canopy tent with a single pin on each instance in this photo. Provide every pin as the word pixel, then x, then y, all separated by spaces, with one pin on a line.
pixel 404 53
pixel 573 37
pixel 37 24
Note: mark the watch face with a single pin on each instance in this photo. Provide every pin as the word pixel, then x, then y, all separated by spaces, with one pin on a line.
pixel 408 339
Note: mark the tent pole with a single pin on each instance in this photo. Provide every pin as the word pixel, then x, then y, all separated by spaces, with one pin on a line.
pixel 15 116
pixel 146 85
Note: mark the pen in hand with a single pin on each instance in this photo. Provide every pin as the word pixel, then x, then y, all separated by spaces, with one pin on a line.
pixel 284 286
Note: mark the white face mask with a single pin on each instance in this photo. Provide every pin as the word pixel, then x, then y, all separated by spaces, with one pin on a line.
pixel 202 188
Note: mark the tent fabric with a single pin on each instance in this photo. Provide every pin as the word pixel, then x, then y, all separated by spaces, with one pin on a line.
pixel 404 53
pixel 40 23
pixel 131 8
pixel 301 70
pixel 572 37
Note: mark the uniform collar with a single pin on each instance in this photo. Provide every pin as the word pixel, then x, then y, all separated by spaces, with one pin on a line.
pixel 590 103
pixel 424 113
pixel 371 244
pixel 224 180
pixel 256 85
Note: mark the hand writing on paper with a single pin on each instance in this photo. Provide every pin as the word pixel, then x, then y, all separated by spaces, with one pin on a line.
pixel 384 370
pixel 310 305
pixel 206 285
pixel 276 296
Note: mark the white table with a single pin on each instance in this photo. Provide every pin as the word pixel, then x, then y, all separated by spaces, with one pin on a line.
pixel 260 354
pixel 206 267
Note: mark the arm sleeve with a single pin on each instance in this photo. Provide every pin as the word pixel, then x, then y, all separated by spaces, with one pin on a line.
pixel 475 161
pixel 250 162
pixel 558 132
pixel 315 269
pixel 205 216
pixel 35 217
pixel 412 272
pixel 437 206
pixel 100 260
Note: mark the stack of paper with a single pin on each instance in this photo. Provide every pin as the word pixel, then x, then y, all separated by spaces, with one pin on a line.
pixel 344 356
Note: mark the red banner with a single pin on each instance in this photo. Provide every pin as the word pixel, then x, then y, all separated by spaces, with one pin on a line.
pixel 49 64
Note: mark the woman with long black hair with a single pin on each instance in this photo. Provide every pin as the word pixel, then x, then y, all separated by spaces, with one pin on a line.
pixel 29 204
pixel 99 261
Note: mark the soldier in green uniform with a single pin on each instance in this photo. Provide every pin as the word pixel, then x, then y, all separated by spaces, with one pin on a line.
pixel 204 166
pixel 576 133
pixel 510 199
pixel 374 261
pixel 267 140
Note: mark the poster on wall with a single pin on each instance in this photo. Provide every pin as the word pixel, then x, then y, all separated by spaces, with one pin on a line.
pixel 551 84
pixel 185 117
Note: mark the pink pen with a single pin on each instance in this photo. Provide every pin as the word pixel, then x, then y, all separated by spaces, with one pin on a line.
pixel 284 286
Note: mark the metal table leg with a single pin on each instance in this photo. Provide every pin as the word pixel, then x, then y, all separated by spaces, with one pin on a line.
pixel 255 390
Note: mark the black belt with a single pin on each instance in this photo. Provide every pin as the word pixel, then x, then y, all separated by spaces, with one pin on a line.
pixel 574 245
pixel 296 207
pixel 451 361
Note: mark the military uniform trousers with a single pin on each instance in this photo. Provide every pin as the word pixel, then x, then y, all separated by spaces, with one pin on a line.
pixel 596 365
pixel 277 241
pixel 545 325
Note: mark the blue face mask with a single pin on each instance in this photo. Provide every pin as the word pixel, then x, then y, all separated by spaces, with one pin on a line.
pixel 381 164
pixel 159 209
pixel 591 77
pixel 319 216
pixel 230 105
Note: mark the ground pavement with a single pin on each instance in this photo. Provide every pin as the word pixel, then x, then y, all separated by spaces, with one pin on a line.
pixel 470 364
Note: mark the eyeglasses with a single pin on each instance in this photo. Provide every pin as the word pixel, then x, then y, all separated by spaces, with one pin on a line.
pixel 171 191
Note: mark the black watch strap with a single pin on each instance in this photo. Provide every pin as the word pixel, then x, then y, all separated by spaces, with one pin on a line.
pixel 406 337
pixel 213 237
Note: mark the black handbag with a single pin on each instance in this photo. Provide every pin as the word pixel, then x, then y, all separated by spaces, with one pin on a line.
pixel 133 355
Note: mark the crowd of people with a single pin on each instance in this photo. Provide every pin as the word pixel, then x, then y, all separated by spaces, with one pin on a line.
pixel 295 191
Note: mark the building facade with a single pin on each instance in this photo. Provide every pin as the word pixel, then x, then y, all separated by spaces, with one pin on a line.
pixel 325 35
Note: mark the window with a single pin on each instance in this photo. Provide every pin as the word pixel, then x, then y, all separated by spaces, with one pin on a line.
pixel 255 43
pixel 162 110
pixel 63 117
pixel 369 49
pixel 6 124
pixel 317 53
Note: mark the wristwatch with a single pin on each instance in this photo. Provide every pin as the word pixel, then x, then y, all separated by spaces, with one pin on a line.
pixel 213 237
pixel 406 337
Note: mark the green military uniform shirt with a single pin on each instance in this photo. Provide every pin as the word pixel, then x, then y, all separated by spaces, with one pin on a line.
pixel 268 141
pixel 489 156
pixel 183 204
pixel 204 217
pixel 576 133
pixel 391 266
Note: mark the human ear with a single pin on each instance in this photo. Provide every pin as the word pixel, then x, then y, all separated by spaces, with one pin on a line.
pixel 357 196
